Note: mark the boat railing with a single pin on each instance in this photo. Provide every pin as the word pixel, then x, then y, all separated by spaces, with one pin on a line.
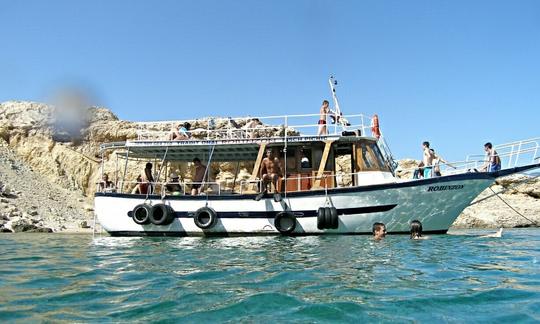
pixel 213 187
pixel 387 153
pixel 229 186
pixel 305 183
pixel 256 127
pixel 512 155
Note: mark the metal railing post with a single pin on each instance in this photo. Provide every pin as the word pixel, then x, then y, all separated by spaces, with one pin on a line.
pixel 517 155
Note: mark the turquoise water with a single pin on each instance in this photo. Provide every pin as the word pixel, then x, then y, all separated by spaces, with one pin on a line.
pixel 448 278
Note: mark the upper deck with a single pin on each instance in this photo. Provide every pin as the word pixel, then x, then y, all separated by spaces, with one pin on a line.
pixel 240 138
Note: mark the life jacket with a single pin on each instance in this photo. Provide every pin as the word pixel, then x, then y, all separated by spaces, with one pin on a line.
pixel 375 130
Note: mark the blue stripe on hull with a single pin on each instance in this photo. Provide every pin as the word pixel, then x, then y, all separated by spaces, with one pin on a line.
pixel 297 213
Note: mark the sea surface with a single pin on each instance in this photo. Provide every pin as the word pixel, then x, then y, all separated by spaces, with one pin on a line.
pixel 447 278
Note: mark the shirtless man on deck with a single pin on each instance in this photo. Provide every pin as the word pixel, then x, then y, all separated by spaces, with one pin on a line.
pixel 322 118
pixel 270 173
pixel 427 159
pixel 198 177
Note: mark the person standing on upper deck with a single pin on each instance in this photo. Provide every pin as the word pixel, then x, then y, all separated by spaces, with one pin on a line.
pixel 427 158
pixel 322 118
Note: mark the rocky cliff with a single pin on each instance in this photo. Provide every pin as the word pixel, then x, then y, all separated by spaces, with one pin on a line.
pixel 60 147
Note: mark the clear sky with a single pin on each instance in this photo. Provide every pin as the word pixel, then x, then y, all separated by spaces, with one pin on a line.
pixel 456 73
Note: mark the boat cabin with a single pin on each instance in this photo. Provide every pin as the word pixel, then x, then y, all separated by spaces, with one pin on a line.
pixel 305 162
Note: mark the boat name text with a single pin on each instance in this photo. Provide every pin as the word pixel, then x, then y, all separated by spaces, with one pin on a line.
pixel 441 188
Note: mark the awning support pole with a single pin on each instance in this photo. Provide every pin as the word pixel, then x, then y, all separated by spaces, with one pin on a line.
pixel 125 170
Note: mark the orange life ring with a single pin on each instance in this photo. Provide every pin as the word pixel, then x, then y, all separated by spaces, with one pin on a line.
pixel 375 130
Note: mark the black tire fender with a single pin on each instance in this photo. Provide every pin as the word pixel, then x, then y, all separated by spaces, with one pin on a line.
pixel 327 217
pixel 285 222
pixel 161 214
pixel 321 218
pixel 334 217
pixel 205 217
pixel 141 214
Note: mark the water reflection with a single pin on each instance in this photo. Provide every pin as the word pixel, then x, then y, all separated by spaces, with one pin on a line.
pixel 77 278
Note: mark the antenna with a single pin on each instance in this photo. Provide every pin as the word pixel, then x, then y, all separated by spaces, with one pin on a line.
pixel 337 115
pixel 333 83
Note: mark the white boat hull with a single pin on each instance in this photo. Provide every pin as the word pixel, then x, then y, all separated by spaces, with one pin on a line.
pixel 435 202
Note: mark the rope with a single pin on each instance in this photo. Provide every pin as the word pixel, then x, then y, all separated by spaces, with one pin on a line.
pixel 504 190
pixel 496 194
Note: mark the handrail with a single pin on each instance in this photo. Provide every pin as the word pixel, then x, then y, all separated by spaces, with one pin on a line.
pixel 510 153
pixel 221 185
pixel 238 118
pixel 231 129
pixel 162 184
pixel 513 151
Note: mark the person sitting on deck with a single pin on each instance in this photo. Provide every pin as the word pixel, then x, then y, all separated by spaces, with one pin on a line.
pixel 493 161
pixel 419 171
pixel 181 132
pixel 198 177
pixel 250 127
pixel 141 188
pixel 105 185
pixel 379 231
pixel 322 118
pixel 304 161
pixel 270 173
pixel 173 186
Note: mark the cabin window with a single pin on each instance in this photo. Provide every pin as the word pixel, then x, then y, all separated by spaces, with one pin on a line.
pixel 369 157
pixel 343 158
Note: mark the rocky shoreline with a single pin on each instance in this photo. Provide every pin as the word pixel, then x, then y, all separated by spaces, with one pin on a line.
pixel 48 172
pixel 30 203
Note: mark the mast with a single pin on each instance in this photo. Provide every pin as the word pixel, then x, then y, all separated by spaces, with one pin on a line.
pixel 337 111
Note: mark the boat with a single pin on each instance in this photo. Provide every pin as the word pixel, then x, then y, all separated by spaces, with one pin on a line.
pixel 339 182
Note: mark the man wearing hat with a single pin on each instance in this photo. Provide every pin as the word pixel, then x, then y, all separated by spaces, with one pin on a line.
pixel 173 185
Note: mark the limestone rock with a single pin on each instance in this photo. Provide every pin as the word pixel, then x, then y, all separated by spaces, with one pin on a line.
pixel 406 168
pixel 67 159
pixel 84 224
pixel 493 212
pixel 25 226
